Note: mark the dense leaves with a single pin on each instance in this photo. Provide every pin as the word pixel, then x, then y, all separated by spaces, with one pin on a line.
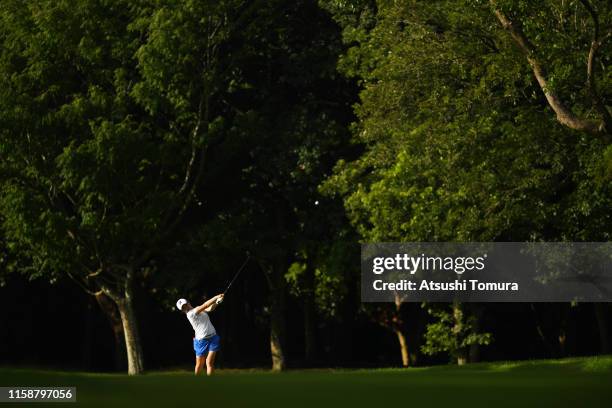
pixel 141 140
pixel 462 143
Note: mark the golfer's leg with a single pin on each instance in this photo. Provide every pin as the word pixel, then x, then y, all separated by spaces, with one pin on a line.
pixel 210 362
pixel 199 365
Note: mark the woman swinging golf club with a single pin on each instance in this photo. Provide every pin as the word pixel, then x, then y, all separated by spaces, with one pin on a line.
pixel 206 341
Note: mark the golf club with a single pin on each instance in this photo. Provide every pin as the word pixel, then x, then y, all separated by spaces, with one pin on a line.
pixel 235 276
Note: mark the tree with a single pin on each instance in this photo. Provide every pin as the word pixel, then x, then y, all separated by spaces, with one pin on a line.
pixel 461 142
pixel 453 332
pixel 320 276
pixel 106 111
pixel 390 317
pixel 288 110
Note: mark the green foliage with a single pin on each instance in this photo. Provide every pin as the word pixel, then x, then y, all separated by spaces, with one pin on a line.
pixel 459 143
pixel 328 283
pixel 453 332
pixel 106 109
pixel 287 109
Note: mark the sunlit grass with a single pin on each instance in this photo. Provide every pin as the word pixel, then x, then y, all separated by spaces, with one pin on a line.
pixel 574 382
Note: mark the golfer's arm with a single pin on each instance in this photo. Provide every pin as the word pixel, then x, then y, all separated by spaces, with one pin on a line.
pixel 211 308
pixel 204 307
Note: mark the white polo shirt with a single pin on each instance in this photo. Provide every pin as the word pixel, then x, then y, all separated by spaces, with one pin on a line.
pixel 201 324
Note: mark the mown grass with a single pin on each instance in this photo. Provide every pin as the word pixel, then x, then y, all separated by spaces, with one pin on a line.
pixel 575 382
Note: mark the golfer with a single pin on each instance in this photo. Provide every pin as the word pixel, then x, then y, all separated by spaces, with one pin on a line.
pixel 206 340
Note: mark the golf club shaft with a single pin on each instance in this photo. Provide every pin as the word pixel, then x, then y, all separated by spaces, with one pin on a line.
pixel 237 273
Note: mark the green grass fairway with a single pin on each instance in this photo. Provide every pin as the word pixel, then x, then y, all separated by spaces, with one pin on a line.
pixel 576 382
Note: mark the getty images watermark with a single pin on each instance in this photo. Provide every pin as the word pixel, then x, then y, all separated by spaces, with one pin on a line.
pixel 487 272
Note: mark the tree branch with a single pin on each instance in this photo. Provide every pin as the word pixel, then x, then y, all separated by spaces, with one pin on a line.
pixel 82 285
pixel 111 293
pixel 193 175
pixel 194 136
pixel 565 116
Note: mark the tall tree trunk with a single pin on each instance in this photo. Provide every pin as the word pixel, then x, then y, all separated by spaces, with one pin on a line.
pixel 131 333
pixel 602 324
pixel 277 317
pixel 397 324
pixel 474 351
pixel 403 347
pixel 277 284
pixel 462 357
pixel 109 308
pixel 309 316
pixel 277 332
pixel 462 352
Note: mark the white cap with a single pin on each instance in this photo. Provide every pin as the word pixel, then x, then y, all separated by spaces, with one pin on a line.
pixel 180 303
